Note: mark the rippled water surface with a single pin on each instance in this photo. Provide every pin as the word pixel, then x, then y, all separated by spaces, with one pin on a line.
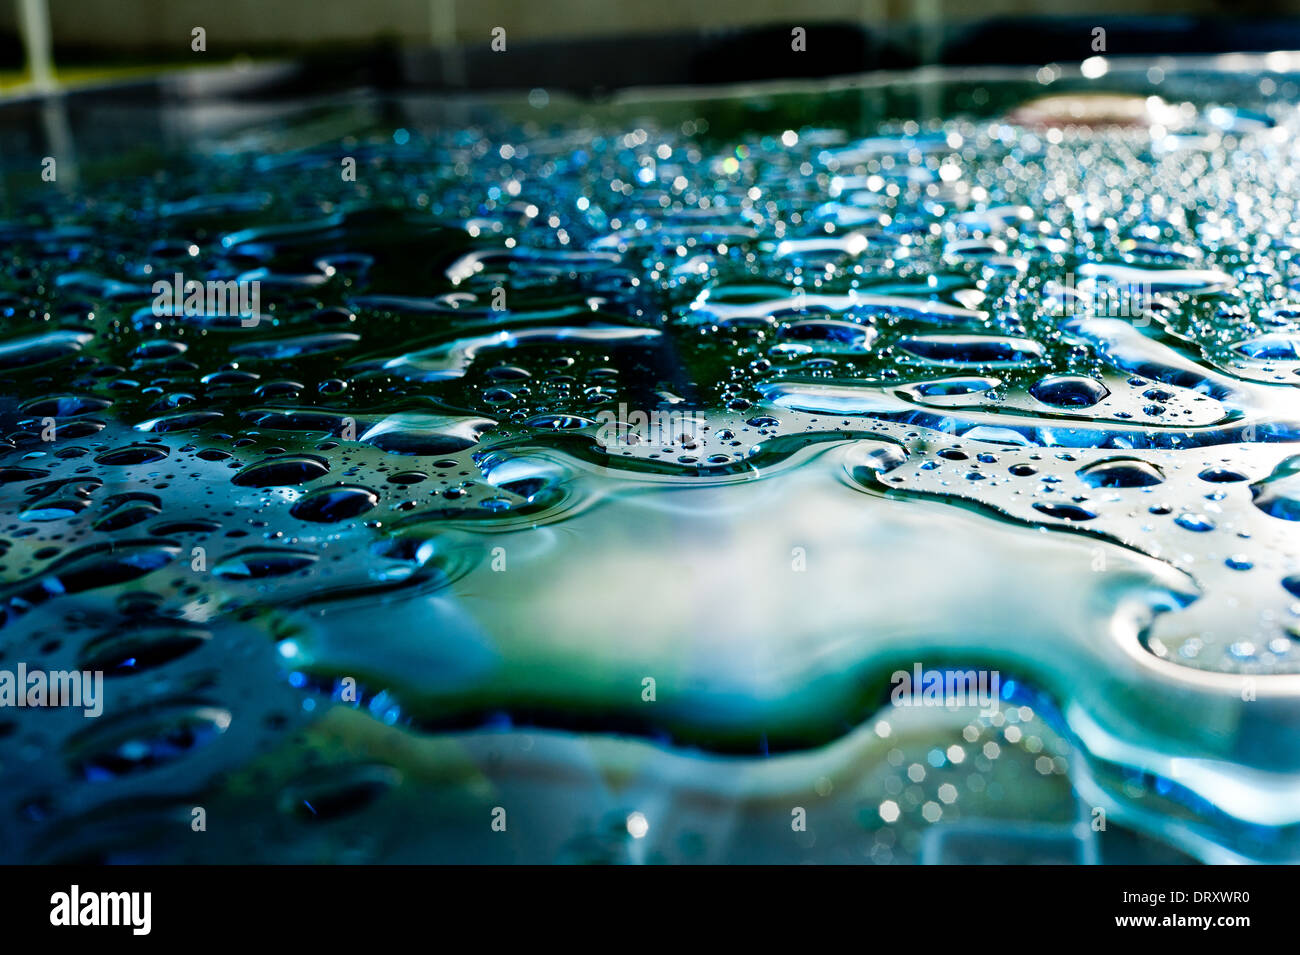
pixel 759 399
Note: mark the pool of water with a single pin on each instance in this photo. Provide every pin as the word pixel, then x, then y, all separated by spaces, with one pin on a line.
pixel 528 479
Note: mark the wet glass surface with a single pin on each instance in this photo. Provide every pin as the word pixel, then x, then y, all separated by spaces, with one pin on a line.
pixel 571 481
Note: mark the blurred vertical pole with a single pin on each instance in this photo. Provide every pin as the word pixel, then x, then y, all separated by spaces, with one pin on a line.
pixel 34 21
pixel 442 24
pixel 929 21
pixel 875 16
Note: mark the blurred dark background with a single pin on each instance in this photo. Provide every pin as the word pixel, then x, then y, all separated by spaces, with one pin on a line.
pixel 586 46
